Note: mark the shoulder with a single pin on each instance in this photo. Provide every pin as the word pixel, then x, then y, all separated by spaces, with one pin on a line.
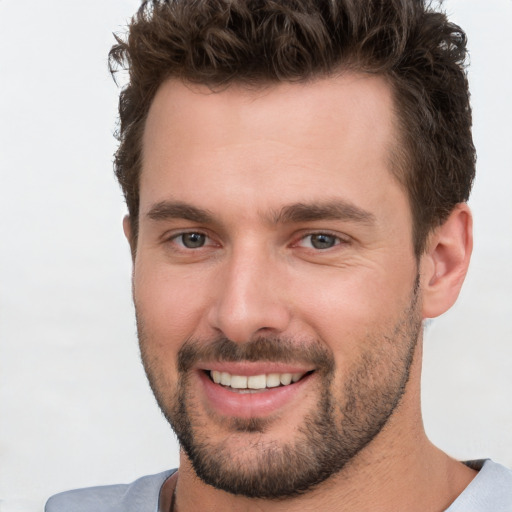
pixel 490 490
pixel 141 496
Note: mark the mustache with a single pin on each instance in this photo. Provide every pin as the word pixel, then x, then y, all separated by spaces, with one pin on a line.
pixel 268 349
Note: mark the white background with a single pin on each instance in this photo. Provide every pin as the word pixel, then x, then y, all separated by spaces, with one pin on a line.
pixel 75 409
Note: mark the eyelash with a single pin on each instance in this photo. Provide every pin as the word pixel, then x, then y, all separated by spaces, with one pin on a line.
pixel 337 240
pixel 179 236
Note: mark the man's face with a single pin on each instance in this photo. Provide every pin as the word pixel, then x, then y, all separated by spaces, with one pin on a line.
pixel 275 282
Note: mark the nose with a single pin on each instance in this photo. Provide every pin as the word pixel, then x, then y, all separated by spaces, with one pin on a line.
pixel 250 298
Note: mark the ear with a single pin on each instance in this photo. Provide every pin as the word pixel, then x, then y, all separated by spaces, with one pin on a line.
pixel 127 228
pixel 445 262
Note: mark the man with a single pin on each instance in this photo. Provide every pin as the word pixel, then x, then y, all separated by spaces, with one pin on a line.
pixel 296 175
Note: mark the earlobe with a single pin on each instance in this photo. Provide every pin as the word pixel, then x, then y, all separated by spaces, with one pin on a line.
pixel 445 262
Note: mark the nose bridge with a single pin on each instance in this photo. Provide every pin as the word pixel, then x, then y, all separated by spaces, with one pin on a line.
pixel 248 302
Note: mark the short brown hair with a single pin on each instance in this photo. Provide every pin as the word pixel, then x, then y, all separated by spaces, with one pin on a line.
pixel 253 42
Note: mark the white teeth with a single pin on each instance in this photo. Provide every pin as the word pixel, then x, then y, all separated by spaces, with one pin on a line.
pixel 285 378
pixel 257 382
pixel 271 380
pixel 238 382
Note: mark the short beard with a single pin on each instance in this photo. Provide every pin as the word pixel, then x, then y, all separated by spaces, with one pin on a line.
pixel 332 433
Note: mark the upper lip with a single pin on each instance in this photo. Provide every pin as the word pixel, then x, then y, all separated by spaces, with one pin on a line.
pixel 248 368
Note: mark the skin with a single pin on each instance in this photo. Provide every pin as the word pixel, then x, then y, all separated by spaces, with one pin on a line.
pixel 244 157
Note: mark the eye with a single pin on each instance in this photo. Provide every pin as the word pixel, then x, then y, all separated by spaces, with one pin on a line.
pixel 192 240
pixel 320 241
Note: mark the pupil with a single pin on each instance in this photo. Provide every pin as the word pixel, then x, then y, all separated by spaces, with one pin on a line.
pixel 323 241
pixel 193 240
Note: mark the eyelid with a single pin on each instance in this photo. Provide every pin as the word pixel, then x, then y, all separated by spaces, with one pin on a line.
pixel 172 236
pixel 340 237
pixel 169 234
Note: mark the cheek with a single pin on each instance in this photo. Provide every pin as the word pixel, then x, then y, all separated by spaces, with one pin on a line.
pixel 168 307
pixel 350 307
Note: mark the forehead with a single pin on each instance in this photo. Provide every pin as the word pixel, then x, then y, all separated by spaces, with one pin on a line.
pixel 292 138
pixel 345 104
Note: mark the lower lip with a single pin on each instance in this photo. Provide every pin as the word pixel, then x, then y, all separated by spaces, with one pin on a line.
pixel 260 403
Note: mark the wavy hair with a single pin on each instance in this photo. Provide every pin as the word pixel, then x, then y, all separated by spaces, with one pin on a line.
pixel 257 42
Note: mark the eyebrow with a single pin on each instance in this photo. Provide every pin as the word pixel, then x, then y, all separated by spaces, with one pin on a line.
pixel 331 210
pixel 167 210
pixel 294 213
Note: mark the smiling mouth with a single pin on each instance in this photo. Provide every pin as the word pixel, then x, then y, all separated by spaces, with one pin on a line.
pixel 254 383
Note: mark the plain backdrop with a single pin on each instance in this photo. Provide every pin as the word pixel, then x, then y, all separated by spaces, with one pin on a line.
pixel 75 409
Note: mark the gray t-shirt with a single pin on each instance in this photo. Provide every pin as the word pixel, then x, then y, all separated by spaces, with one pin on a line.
pixel 490 491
